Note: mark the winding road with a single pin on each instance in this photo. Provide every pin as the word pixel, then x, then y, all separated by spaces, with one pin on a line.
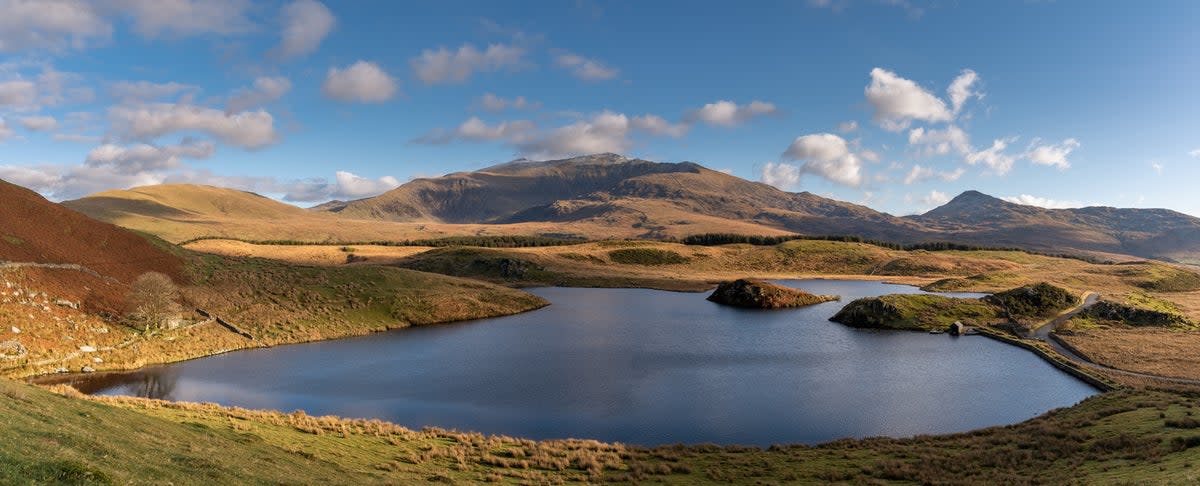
pixel 1042 333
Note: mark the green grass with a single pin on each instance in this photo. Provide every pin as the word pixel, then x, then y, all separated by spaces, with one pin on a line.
pixel 1119 437
pixel 12 240
pixel 1165 278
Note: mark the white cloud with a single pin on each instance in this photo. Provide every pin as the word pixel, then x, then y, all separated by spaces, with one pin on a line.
pixel 993 157
pixel 39 123
pixel 935 198
pixel 961 89
pixel 848 126
pixel 826 155
pixel 939 142
pixel 1029 200
pixel 1195 153
pixel 5 130
pixel 727 113
pixel 491 102
pixel 781 175
pixel 443 65
pixel 50 24
pixel 657 125
pixel 305 25
pixel 180 18
pixel 17 93
pixel 351 186
pixel 136 91
pixel 477 130
pixel 899 101
pixel 248 129
pixel 920 173
pixel 265 90
pixel 1158 168
pixel 362 82
pixel 1052 154
pixel 142 157
pixel 585 68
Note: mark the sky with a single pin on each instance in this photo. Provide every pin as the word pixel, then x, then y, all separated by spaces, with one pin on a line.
pixel 895 104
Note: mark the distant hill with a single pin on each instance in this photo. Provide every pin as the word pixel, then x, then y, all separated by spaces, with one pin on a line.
pixel 610 196
pixel 1153 233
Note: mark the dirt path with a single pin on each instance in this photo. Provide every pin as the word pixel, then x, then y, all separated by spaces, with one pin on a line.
pixel 1043 333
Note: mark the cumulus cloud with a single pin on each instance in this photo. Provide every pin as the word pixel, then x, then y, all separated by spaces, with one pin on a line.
pixel 362 82
pixel 727 113
pixel 180 18
pixel 939 142
pixel 962 88
pixel 781 175
pixel 442 65
pixel 585 68
pixel 657 125
pixel 491 102
pixel 920 173
pixel 50 24
pixel 17 93
pixel 142 157
pixel 935 198
pixel 351 186
pixel 826 155
pixel 137 91
pixel 305 25
pixel 248 129
pixel 602 132
pixel 1029 200
pixel 899 101
pixel 39 123
pixel 477 130
pixel 848 126
pixel 1054 154
pixel 994 158
pixel 265 90
pixel 5 130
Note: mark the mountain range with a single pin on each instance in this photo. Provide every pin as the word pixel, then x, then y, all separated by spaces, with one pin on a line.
pixel 608 195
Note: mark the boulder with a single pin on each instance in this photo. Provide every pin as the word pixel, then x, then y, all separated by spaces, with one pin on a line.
pixel 759 294
pixel 87 349
pixel 12 350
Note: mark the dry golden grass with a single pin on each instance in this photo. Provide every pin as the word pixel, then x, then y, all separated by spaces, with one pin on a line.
pixel 1162 352
pixel 308 254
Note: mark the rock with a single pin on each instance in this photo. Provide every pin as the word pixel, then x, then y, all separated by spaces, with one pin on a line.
pixel 66 303
pixel 16 330
pixel 759 294
pixel 61 369
pixel 87 349
pixel 12 350
pixel 97 360
pixel 87 369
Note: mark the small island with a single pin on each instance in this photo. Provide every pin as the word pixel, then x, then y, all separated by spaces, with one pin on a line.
pixel 759 294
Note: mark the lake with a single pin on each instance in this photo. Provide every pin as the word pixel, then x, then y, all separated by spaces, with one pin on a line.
pixel 638 366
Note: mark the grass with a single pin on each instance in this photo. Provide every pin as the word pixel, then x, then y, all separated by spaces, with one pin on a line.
pixel 646 256
pixel 12 240
pixel 759 294
pixel 1120 437
pixel 915 312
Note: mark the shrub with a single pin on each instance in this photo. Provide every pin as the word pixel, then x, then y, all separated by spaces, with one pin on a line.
pixel 646 256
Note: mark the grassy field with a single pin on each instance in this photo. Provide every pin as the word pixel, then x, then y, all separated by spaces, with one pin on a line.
pixel 1126 437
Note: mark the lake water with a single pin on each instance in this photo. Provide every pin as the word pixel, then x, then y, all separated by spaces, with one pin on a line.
pixel 638 366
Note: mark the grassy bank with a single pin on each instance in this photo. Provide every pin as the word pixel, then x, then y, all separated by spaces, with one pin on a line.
pixel 1126 436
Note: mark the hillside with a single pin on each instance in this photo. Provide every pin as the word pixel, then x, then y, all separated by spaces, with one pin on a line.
pixel 70 255
pixel 974 217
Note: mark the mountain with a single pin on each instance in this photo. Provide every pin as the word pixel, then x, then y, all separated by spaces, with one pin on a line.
pixel 612 190
pixel 975 217
pixel 610 196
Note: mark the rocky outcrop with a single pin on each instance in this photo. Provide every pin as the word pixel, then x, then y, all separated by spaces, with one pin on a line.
pixel 759 294
pixel 1134 316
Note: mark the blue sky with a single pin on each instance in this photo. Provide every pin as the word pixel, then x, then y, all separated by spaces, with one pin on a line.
pixel 896 104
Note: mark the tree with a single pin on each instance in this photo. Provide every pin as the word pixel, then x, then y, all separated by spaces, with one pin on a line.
pixel 153 297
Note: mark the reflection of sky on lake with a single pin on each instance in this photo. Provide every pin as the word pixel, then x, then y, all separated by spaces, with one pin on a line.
pixel 640 366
